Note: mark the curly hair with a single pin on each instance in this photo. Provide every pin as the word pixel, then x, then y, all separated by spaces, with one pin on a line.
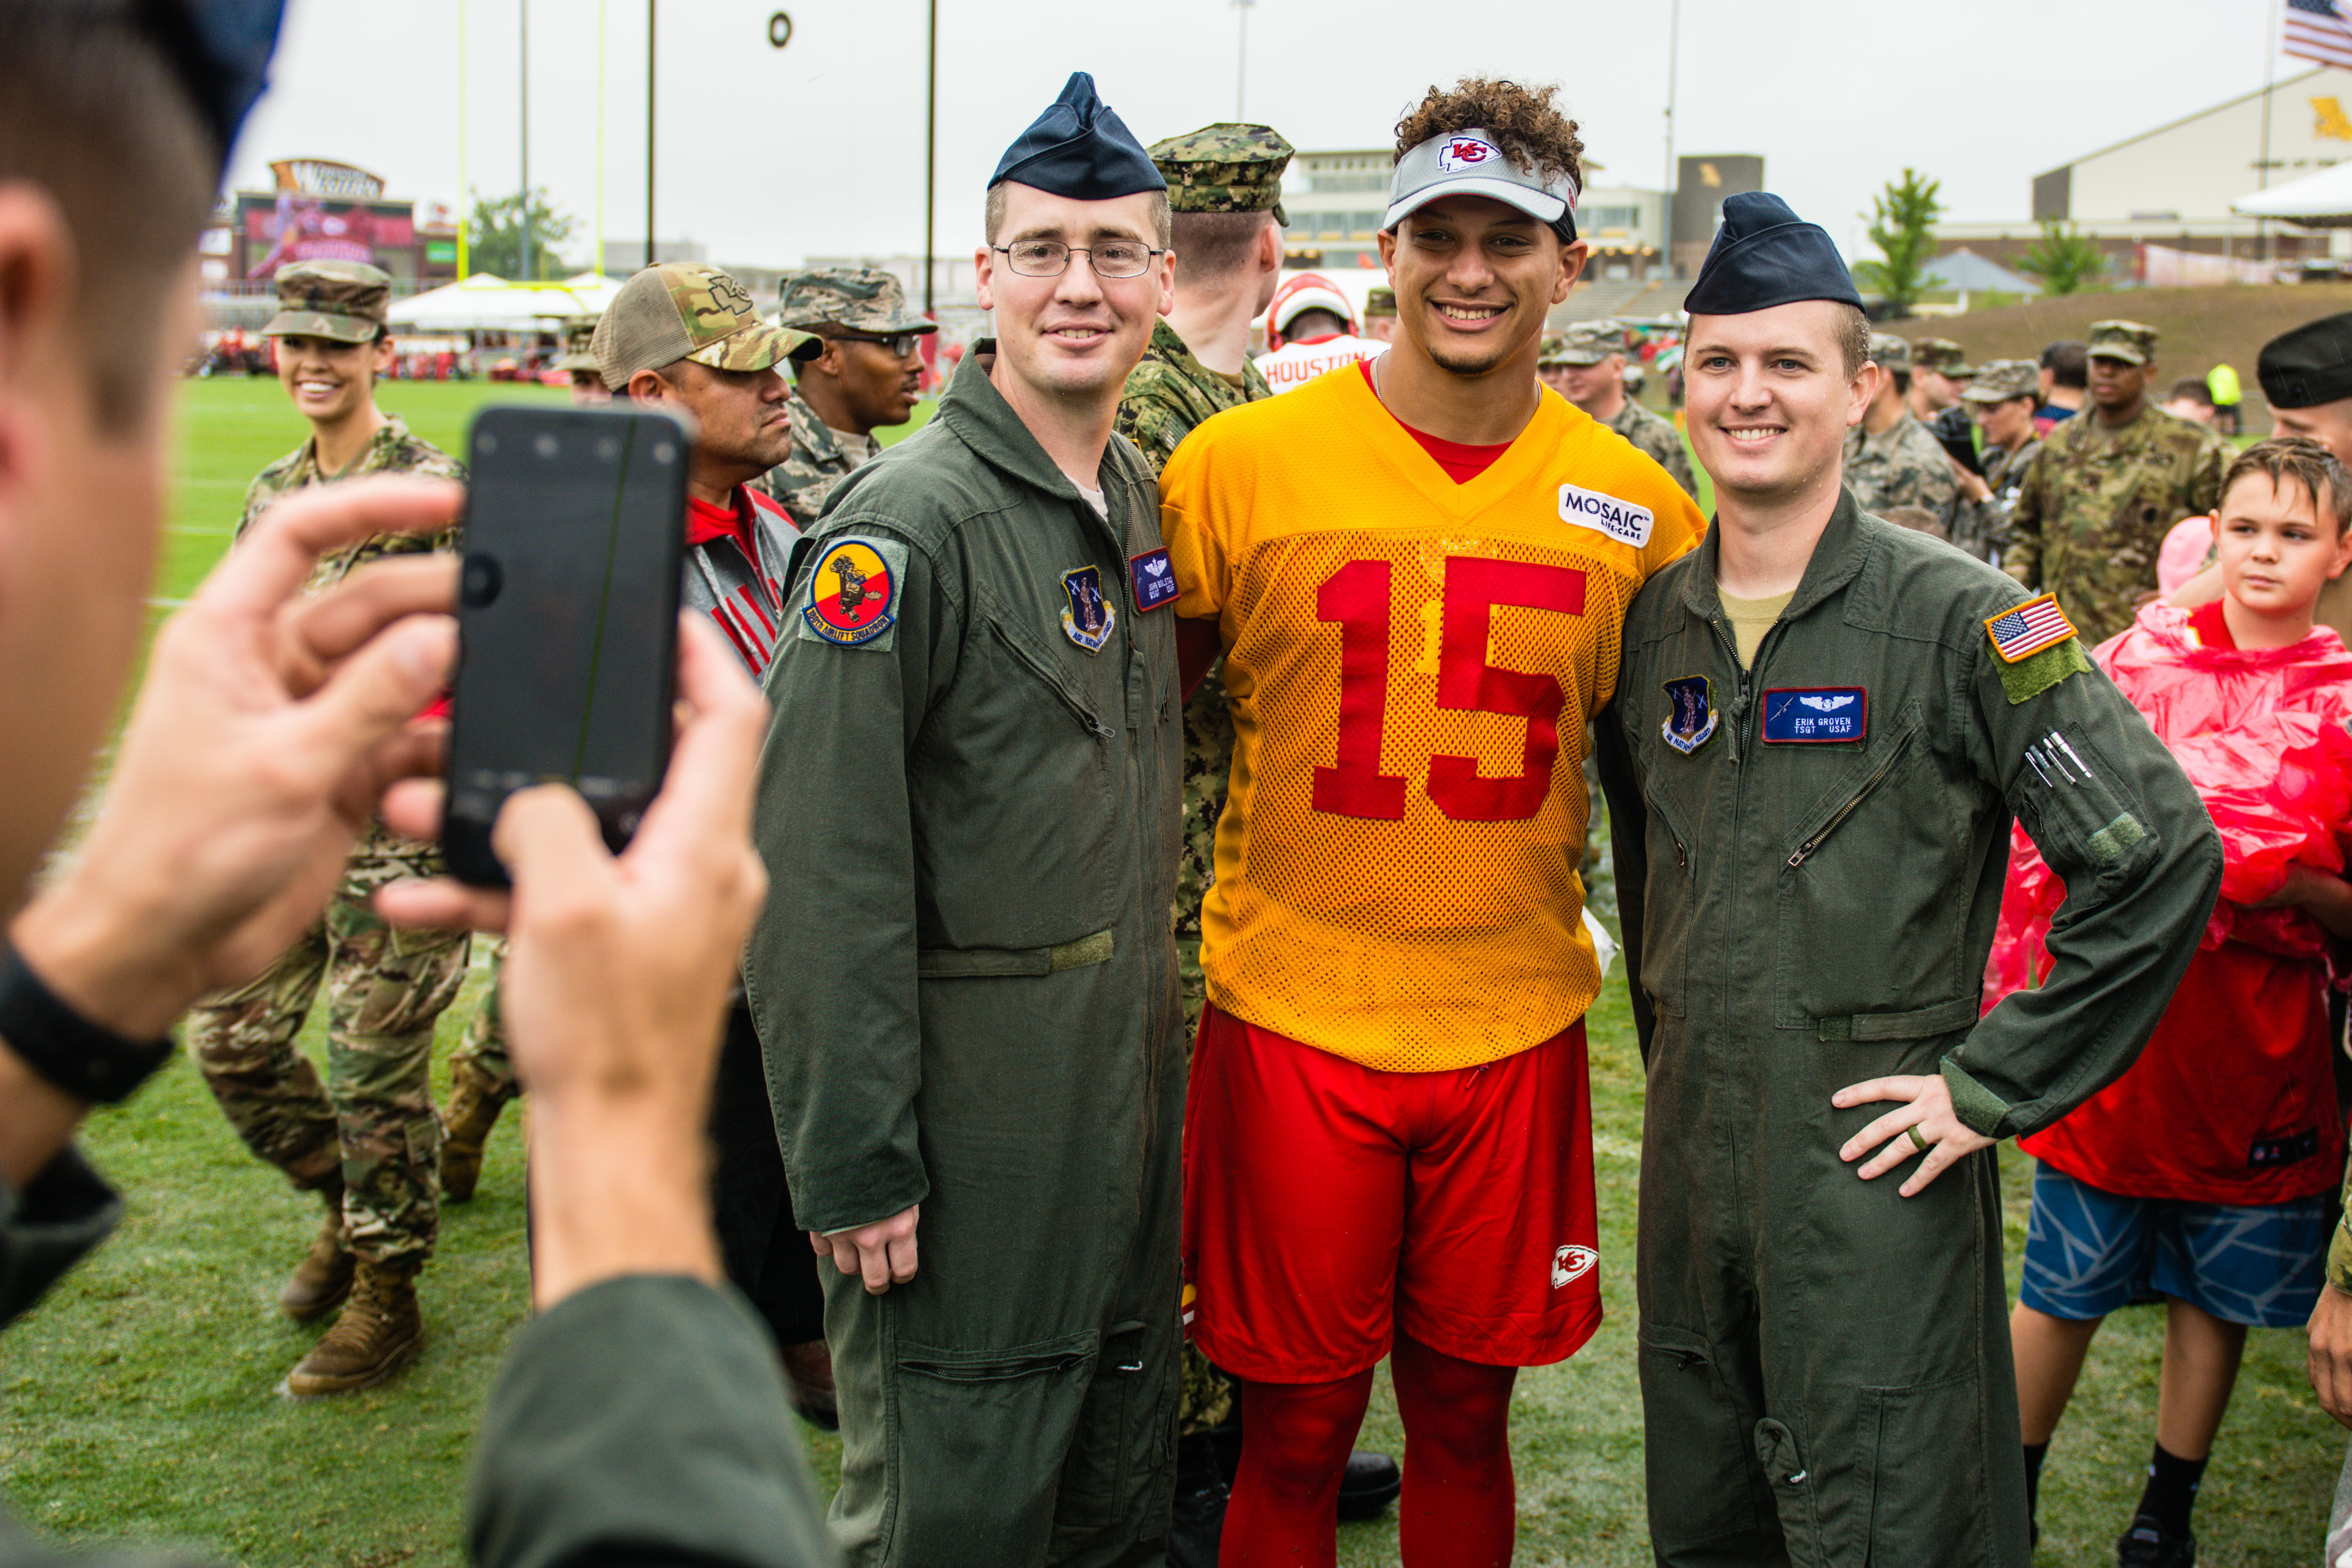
pixel 1533 136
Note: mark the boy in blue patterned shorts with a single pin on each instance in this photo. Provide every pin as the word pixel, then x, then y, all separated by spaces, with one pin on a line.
pixel 2201 1177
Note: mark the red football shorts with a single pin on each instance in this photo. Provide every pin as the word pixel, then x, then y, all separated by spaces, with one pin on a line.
pixel 1328 1205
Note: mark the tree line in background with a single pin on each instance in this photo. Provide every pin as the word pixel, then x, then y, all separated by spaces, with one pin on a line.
pixel 1903 225
pixel 496 231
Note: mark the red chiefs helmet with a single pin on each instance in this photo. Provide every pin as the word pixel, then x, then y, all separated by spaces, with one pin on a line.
pixel 1307 291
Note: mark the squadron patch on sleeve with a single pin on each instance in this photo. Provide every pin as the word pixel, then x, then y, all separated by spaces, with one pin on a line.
pixel 853 596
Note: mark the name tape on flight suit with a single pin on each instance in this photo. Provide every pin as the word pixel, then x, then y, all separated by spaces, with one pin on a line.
pixel 1815 715
pixel 1153 578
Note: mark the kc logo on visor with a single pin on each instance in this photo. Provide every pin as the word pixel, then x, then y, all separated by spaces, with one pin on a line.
pixel 1462 153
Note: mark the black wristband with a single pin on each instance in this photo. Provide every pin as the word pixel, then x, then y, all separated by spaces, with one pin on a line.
pixel 82 1059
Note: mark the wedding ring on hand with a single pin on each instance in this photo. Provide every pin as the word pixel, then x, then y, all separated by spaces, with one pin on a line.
pixel 1916 1142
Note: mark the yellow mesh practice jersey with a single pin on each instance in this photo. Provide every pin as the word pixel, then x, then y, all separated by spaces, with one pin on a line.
pixel 1411 663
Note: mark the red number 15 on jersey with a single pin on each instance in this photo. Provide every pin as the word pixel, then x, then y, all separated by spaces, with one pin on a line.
pixel 1357 597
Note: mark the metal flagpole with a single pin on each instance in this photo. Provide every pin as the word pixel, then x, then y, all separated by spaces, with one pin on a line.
pixel 1673 62
pixel 1241 63
pixel 523 10
pixel 2270 85
pixel 465 214
pixel 649 132
pixel 931 161
pixel 599 138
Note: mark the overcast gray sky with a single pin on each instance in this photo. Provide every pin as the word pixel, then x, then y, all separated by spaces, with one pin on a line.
pixel 770 155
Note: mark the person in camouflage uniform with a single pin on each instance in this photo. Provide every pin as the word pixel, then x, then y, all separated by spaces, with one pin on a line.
pixel 482 1082
pixel 579 362
pixel 2095 505
pixel 1380 314
pixel 2002 399
pixel 1890 459
pixel 867 379
pixel 1586 364
pixel 368 1142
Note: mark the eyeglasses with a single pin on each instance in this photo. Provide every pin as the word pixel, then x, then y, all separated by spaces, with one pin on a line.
pixel 900 344
pixel 1051 257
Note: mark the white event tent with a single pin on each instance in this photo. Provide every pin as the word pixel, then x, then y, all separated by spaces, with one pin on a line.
pixel 490 304
pixel 2317 201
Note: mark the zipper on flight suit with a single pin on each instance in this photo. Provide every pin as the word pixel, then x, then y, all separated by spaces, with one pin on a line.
pixel 1054 682
pixel 1895 754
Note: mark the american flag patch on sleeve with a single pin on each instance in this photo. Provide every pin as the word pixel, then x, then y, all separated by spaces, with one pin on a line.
pixel 2022 633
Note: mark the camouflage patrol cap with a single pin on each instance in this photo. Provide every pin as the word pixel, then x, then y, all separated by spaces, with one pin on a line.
pixel 1224 168
pixel 578 334
pixel 1941 354
pixel 1551 351
pixel 1891 351
pixel 2002 379
pixel 863 299
pixel 343 301
pixel 2128 341
pixel 1379 302
pixel 1590 343
pixel 685 309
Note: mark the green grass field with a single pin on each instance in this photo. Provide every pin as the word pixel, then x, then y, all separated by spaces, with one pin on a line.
pixel 140 1398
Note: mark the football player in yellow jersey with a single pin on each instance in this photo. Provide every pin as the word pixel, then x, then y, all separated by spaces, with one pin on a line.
pixel 1417 569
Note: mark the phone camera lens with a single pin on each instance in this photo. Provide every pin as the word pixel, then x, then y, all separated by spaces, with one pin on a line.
pixel 486 442
pixel 607 449
pixel 548 447
pixel 478 581
pixel 664 453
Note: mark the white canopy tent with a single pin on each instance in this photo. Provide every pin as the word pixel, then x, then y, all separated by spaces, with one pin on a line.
pixel 2317 201
pixel 487 303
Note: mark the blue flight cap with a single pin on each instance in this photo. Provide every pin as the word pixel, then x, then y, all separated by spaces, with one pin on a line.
pixel 1765 255
pixel 1079 149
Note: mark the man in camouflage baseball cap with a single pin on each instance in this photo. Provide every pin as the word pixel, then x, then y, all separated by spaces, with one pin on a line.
pixel 861 298
pixel 685 336
pixel 867 378
pixel 2129 341
pixel 343 301
pixel 1939 374
pixel 1587 366
pixel 1379 315
pixel 686 310
pixel 2004 379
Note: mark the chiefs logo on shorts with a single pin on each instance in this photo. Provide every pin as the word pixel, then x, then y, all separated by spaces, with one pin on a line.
pixel 850 595
pixel 1466 153
pixel 1572 1263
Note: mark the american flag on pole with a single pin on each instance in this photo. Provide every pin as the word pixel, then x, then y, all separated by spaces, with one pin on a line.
pixel 2028 629
pixel 2319 30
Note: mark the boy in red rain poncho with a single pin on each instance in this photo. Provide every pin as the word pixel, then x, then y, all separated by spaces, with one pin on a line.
pixel 2201 1177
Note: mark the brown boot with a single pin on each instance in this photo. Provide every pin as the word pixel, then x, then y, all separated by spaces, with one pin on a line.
pixel 323 1278
pixel 474 1107
pixel 378 1334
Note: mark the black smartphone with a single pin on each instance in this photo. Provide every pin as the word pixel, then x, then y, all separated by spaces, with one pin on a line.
pixel 567 618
